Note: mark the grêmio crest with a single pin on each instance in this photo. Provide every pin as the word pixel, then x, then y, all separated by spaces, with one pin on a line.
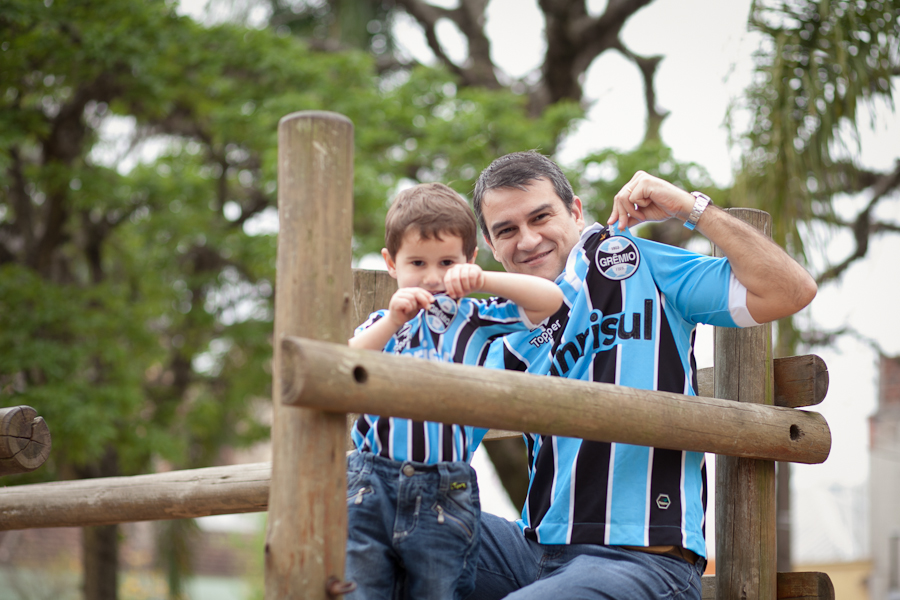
pixel 617 258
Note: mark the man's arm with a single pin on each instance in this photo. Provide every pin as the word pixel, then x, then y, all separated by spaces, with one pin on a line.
pixel 777 286
pixel 537 297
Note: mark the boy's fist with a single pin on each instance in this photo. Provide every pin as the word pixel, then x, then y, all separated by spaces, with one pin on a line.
pixel 462 279
pixel 406 304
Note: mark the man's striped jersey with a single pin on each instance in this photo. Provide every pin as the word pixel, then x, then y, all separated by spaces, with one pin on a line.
pixel 446 332
pixel 631 307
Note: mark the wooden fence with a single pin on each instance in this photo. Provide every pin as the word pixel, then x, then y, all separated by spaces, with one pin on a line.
pixel 745 411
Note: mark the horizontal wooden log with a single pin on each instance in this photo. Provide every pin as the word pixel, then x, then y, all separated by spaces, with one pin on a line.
pixel 24 440
pixel 333 377
pixel 161 496
pixel 790 586
pixel 799 381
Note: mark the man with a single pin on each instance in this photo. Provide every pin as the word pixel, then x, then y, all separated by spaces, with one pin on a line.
pixel 612 520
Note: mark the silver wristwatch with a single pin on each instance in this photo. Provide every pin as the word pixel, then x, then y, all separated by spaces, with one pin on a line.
pixel 700 203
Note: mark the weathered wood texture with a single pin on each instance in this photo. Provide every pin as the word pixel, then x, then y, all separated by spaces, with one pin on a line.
pixel 24 440
pixel 799 381
pixel 372 290
pixel 745 487
pixel 337 378
pixel 307 512
pixel 103 501
pixel 791 586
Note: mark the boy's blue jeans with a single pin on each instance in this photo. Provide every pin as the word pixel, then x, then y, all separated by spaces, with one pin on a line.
pixel 513 567
pixel 411 527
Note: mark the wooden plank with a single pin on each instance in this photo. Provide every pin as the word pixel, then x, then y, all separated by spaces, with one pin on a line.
pixel 799 381
pixel 372 290
pixel 336 378
pixel 791 586
pixel 501 434
pixel 307 504
pixel 24 440
pixel 745 487
pixel 183 494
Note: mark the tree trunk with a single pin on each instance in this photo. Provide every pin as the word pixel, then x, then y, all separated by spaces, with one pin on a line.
pixel 100 545
pixel 510 460
pixel 785 345
pixel 101 562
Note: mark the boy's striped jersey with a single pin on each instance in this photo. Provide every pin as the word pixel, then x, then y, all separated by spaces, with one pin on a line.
pixel 447 332
pixel 631 307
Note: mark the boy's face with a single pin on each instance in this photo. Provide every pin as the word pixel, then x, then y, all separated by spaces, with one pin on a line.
pixel 423 262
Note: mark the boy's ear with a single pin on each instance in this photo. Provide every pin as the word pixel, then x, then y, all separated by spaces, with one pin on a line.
pixel 391 266
pixel 472 258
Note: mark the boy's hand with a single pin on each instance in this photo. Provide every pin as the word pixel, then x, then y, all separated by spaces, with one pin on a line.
pixel 406 303
pixel 462 279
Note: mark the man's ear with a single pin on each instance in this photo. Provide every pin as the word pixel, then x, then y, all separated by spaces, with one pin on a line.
pixel 472 258
pixel 391 266
pixel 578 212
pixel 487 241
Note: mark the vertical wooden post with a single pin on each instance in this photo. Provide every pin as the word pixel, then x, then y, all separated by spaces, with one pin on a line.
pixel 745 488
pixel 307 525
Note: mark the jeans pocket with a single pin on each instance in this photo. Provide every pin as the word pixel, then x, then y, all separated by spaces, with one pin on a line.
pixel 356 494
pixel 459 518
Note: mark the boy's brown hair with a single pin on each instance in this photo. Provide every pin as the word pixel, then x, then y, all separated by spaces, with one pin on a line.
pixel 431 209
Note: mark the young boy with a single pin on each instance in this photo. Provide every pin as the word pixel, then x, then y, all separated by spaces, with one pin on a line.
pixel 412 497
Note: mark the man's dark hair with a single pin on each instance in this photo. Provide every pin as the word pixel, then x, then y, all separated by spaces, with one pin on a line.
pixel 518 170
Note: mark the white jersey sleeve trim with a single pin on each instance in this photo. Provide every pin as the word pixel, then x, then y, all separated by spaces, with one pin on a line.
pixel 737 304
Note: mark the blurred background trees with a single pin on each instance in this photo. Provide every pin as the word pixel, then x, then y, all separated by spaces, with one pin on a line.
pixel 137 186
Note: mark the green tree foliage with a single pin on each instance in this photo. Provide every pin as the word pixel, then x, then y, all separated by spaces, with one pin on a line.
pixel 821 61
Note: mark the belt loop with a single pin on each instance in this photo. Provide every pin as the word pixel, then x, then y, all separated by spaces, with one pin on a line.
pixel 444 485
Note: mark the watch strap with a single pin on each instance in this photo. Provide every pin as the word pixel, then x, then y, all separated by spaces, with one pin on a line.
pixel 701 201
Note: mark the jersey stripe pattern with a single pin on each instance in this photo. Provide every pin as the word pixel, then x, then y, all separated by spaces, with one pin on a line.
pixel 630 312
pixel 460 338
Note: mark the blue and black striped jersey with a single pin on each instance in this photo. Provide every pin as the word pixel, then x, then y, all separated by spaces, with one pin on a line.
pixel 631 307
pixel 446 332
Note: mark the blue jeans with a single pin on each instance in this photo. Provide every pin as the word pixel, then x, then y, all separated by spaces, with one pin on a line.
pixel 513 567
pixel 412 528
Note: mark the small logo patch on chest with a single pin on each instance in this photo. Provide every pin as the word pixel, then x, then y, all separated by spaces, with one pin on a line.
pixel 441 313
pixel 617 258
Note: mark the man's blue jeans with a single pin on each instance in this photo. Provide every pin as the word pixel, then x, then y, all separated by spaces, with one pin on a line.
pixel 411 527
pixel 513 567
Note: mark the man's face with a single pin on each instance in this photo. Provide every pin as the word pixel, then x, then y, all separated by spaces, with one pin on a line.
pixel 531 231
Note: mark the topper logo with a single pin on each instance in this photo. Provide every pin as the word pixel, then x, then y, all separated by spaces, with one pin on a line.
pixel 546 335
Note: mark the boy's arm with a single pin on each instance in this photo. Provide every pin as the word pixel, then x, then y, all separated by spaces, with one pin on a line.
pixel 537 297
pixel 404 305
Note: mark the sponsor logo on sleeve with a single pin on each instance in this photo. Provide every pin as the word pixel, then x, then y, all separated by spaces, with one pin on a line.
pixel 617 258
